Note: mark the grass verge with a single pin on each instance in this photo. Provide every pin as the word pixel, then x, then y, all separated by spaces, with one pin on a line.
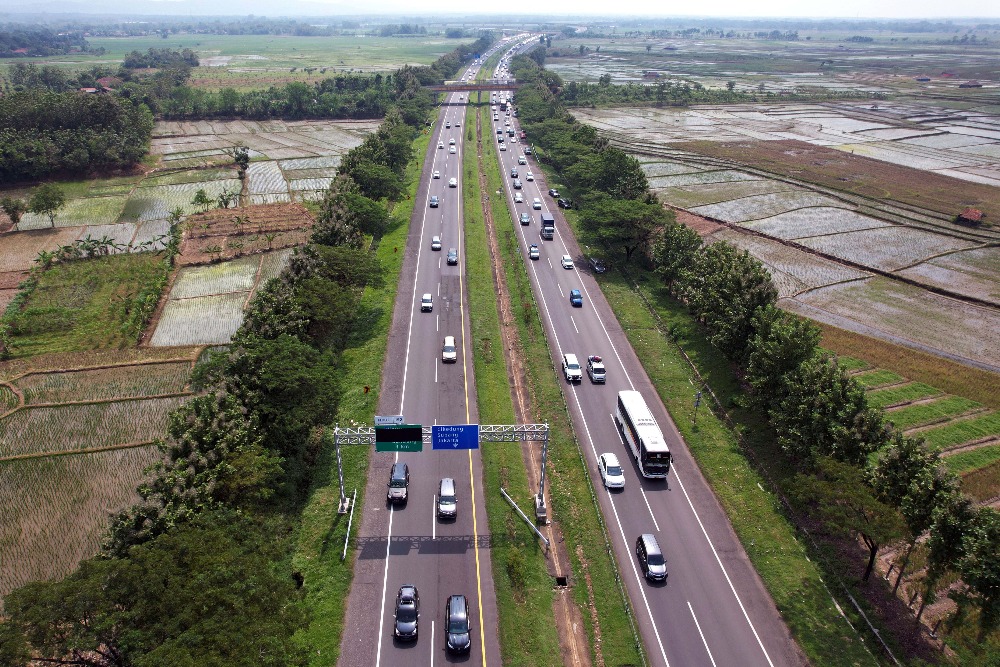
pixel 523 586
pixel 321 530
pixel 574 505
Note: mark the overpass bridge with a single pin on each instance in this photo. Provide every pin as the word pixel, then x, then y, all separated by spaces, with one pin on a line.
pixel 479 85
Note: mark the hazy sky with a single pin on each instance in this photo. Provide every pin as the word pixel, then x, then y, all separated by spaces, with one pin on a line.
pixel 733 8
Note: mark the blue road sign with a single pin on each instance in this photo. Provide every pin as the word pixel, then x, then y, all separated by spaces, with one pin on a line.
pixel 455 436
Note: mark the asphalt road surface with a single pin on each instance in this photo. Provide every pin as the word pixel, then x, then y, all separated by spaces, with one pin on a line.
pixel 713 610
pixel 407 543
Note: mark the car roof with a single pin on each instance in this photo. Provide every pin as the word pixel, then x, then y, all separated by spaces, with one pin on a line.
pixel 408 591
pixel 427 296
pixel 449 340
pixel 610 459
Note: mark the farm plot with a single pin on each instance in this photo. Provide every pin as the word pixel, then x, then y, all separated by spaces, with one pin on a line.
pixel 71 427
pixel 896 311
pixel 153 232
pixel 202 320
pixel 792 270
pixel 21 248
pixel 235 276
pixel 962 431
pixel 974 272
pixel 697 195
pixel 55 509
pixel 189 176
pixel 814 221
pixel 265 178
pixel 103 384
pixel 764 206
pixel 652 169
pixel 911 391
pixel 940 409
pixel 700 178
pixel 77 212
pixel 981 460
pixel 885 248
pixel 156 202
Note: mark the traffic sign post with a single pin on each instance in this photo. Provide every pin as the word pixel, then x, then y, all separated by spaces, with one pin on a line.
pixel 399 438
pixel 455 436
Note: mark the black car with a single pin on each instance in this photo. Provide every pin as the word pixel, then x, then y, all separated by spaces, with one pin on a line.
pixel 434 201
pixel 457 631
pixel 553 192
pixel 564 203
pixel 525 218
pixel 407 613
pixel 452 256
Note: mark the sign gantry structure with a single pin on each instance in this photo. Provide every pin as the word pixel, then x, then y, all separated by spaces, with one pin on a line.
pixel 392 434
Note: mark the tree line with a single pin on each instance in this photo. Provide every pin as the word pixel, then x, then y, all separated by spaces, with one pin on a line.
pixel 856 473
pixel 199 571
pixel 45 133
pixel 18 41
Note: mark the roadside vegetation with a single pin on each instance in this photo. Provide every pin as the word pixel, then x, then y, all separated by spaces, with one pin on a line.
pixel 237 466
pixel 844 471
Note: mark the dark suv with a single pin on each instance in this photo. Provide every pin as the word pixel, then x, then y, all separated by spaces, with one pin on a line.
pixel 399 480
pixel 457 633
pixel 407 613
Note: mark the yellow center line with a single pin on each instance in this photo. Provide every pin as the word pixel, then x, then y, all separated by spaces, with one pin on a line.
pixel 472 485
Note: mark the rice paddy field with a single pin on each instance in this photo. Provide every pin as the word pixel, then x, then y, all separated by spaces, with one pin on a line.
pixel 850 241
pixel 75 434
pixel 205 304
pixel 817 61
pixel 247 62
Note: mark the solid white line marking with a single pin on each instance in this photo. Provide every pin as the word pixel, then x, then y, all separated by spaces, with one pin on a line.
pixel 385 580
pixel 432 643
pixel 646 500
pixel 434 523
pixel 698 625
pixel 437 323
pixel 435 371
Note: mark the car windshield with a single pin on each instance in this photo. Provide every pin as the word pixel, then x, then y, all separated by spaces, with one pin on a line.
pixel 572 366
pixel 448 500
pixel 655 559
pixel 614 470
pixel 449 348
pixel 407 613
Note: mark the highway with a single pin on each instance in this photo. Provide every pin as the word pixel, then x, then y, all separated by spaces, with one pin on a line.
pixel 713 610
pixel 407 543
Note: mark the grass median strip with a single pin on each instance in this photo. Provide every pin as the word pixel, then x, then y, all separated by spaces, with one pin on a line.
pixel 523 585
pixel 321 530
pixel 572 499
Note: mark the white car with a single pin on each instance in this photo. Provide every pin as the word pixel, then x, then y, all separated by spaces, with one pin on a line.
pixel 426 303
pixel 449 353
pixel 518 198
pixel 529 176
pixel 536 204
pixel 451 149
pixel 522 160
pixel 611 472
pixel 503 147
pixel 567 262
pixel 571 368
pixel 452 182
pixel 440 144
pixel 451 142
pixel 437 174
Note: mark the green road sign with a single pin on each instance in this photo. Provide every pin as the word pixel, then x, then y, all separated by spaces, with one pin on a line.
pixel 399 438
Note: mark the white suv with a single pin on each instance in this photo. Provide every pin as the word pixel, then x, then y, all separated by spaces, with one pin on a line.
pixel 571 368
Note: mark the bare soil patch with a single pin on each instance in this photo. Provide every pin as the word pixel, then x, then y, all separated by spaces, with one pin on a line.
pixel 267 227
pixel 856 174
pixel 703 226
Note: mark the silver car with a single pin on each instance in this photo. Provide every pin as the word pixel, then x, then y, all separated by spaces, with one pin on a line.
pixel 449 353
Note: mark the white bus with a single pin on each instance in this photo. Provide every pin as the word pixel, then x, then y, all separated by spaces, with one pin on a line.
pixel 639 430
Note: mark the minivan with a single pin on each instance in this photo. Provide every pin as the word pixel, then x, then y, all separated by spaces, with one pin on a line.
pixel 447 505
pixel 650 557
pixel 399 480
pixel 457 633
